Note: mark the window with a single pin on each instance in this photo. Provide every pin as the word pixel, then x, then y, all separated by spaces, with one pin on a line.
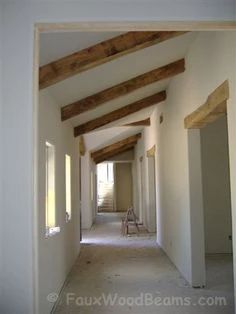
pixel 68 186
pixel 110 172
pixel 106 172
pixel 92 186
pixel 50 207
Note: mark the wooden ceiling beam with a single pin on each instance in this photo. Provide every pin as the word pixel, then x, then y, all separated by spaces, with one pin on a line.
pixel 119 113
pixel 114 153
pixel 132 140
pixel 100 53
pixel 122 89
pixel 145 122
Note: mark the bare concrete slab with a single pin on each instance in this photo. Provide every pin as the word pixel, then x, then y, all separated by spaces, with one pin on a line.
pixel 138 277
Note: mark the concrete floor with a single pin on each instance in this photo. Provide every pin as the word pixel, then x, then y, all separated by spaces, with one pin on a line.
pixel 130 269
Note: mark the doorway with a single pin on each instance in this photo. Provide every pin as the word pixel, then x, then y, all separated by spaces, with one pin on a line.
pixel 142 207
pixel 217 203
pixel 123 186
pixel 105 187
pixel 152 194
pixel 210 199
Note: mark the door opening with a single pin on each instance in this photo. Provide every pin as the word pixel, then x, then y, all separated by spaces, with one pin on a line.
pixel 142 214
pixel 217 203
pixel 123 186
pixel 105 187
pixel 152 194
pixel 210 199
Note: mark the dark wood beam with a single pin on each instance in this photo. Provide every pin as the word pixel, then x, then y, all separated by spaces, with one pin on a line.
pixel 122 89
pixel 114 153
pixel 119 113
pixel 100 53
pixel 132 140
pixel 146 122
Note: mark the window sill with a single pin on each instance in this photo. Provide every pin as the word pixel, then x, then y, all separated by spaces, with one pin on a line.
pixel 50 232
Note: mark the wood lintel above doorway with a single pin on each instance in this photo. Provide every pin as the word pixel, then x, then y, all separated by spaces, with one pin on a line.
pixel 214 107
pixel 151 151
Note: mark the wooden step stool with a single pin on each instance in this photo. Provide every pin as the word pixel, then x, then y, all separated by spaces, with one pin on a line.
pixel 130 219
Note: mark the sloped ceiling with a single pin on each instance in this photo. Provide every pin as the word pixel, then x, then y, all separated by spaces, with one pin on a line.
pixel 99 139
pixel 57 45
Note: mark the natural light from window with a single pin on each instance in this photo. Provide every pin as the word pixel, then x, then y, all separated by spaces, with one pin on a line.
pixel 68 186
pixel 50 190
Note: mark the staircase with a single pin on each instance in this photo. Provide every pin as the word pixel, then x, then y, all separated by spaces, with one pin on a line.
pixel 105 197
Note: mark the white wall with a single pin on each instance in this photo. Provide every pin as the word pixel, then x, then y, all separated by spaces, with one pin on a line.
pixel 137 197
pixel 216 187
pixel 149 10
pixel 186 93
pixel 135 187
pixel 17 281
pixel 86 210
pixel 87 204
pixel 178 163
pixel 1 151
pixel 197 245
pixel 56 254
pixel 152 193
pixel 148 140
pixel 18 121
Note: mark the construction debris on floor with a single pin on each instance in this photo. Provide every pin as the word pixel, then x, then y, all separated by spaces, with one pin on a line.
pixel 121 275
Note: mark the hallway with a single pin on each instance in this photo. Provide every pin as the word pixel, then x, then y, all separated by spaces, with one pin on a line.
pixel 135 268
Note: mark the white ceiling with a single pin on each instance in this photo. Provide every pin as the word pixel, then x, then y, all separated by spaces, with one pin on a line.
pixel 56 45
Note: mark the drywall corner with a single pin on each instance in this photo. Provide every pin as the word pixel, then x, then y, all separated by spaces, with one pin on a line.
pixel 196 210
pixel 1 146
pixel 86 203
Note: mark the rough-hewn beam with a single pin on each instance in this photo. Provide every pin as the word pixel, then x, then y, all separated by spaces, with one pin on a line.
pixel 100 53
pixel 116 152
pixel 93 101
pixel 214 107
pixel 146 122
pixel 110 148
pixel 151 151
pixel 120 113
